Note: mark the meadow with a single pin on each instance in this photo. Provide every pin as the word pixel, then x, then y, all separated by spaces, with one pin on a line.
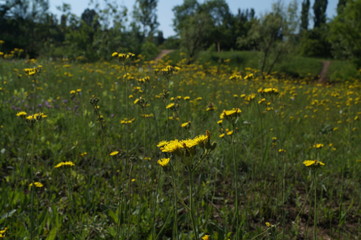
pixel 129 149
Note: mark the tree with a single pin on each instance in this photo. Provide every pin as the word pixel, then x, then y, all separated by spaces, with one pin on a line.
pixel 194 33
pixel 341 5
pixel 305 15
pixel 345 32
pixel 271 35
pixel 182 12
pixel 145 12
pixel 319 10
pixel 33 10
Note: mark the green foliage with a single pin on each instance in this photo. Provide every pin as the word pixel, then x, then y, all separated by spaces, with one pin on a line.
pixel 319 12
pixel 345 32
pixel 116 189
pixel 149 50
pixel 305 12
pixel 315 43
pixel 340 71
pixel 145 14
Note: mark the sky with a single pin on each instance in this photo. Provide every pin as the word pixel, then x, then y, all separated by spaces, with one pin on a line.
pixel 165 13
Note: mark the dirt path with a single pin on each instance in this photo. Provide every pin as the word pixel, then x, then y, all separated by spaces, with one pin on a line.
pixel 162 54
pixel 324 71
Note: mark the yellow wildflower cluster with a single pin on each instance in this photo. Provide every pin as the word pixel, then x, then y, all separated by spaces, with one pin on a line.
pixel 270 90
pixel 226 132
pixel 168 69
pixel 62 164
pixel 235 76
pixel 123 56
pixel 227 114
pixel 184 147
pixel 36 184
pixel 127 121
pixel 36 117
pixel 313 163
pixel 249 97
pixel 318 145
pixel 144 80
pixel 77 91
pixel 33 117
pixel 32 71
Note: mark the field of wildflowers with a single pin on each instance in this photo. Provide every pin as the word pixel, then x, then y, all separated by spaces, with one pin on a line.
pixel 146 150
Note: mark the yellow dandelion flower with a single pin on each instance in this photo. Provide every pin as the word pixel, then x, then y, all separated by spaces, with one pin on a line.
pixel 201 139
pixel 230 113
pixel 21 114
pixel 229 132
pixel 2 232
pixel 268 91
pixel 170 106
pixel 36 184
pixel 281 150
pixel 318 145
pixel 31 118
pixel 162 144
pixel 206 237
pixel 310 163
pixel 186 124
pixel 163 161
pixel 61 164
pixel 172 146
pixel 126 121
pixel 114 153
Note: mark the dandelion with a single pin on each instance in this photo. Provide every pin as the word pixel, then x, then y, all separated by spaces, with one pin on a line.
pixel 163 161
pixel 36 184
pixel 2 232
pixel 127 121
pixel 226 114
pixel 273 91
pixel 83 154
pixel 186 124
pixel 30 71
pixel 114 153
pixel 281 150
pixel 170 106
pixel 62 164
pixel 206 237
pixel 21 114
pixel 313 163
pixel 318 145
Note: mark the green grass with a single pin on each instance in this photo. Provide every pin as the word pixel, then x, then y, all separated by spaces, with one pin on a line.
pixel 292 66
pixel 253 175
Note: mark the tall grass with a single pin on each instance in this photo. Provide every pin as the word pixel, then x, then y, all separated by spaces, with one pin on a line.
pixel 107 121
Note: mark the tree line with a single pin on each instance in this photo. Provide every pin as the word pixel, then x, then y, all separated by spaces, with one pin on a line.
pixel 303 29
